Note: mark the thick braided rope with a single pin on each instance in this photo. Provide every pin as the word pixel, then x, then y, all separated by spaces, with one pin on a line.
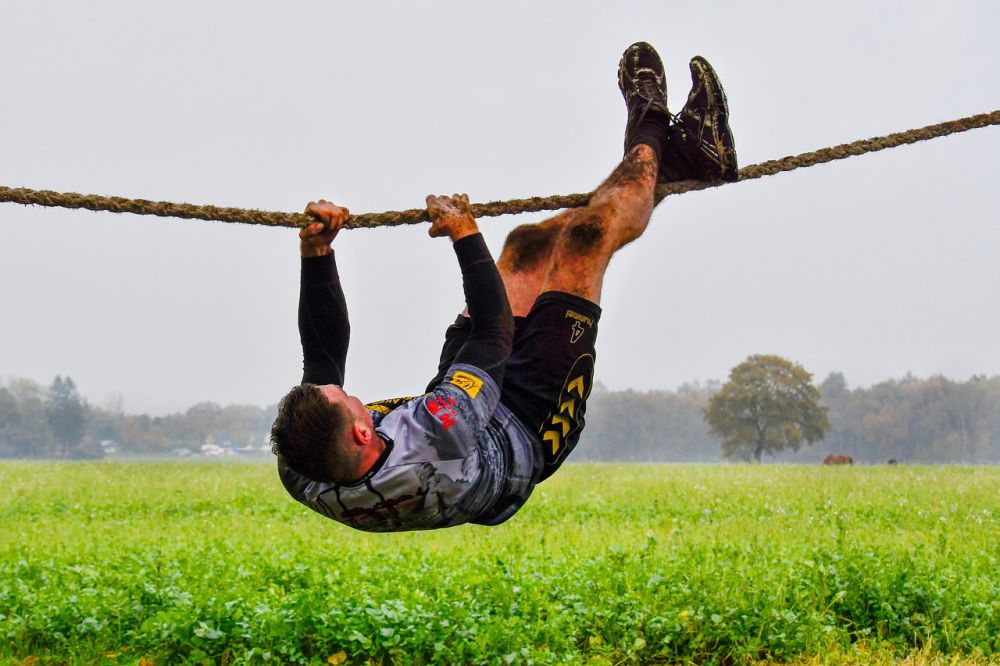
pixel 494 208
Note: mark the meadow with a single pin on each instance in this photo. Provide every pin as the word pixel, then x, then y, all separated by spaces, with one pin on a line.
pixel 150 563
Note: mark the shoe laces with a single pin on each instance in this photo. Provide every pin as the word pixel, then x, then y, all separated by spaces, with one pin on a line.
pixel 642 79
pixel 648 87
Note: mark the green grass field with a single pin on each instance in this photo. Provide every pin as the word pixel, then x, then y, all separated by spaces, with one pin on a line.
pixel 608 564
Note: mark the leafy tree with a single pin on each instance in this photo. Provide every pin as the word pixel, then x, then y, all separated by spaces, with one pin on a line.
pixel 104 424
pixel 240 422
pixel 10 418
pixel 66 414
pixel 145 434
pixel 768 404
pixel 29 435
pixel 10 415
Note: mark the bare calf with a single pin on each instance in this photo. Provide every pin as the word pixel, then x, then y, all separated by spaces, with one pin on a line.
pixel 571 251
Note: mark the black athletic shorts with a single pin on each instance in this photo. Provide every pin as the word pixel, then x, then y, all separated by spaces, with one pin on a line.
pixel 550 372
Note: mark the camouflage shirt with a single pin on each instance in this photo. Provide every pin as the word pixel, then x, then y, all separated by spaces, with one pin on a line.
pixel 453 455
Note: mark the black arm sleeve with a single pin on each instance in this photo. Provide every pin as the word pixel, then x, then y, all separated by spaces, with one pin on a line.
pixel 489 343
pixel 323 324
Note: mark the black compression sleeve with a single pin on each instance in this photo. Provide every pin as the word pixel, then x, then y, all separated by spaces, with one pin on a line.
pixel 489 343
pixel 324 328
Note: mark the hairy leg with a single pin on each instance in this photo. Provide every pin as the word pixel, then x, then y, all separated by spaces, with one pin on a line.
pixel 617 214
pixel 524 261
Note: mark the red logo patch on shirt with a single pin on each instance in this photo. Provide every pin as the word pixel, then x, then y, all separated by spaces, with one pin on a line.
pixel 443 409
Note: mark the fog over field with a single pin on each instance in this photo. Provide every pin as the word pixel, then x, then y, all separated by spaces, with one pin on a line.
pixel 874 266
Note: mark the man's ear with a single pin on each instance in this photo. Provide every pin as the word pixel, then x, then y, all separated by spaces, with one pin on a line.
pixel 362 433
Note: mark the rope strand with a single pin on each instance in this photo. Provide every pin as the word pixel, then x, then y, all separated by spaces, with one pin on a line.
pixel 28 197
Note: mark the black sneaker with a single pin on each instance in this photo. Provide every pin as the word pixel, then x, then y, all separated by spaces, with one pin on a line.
pixel 701 143
pixel 644 87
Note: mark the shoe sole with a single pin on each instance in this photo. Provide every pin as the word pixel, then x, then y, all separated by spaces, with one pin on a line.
pixel 722 134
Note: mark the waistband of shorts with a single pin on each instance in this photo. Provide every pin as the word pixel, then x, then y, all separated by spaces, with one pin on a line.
pixel 578 302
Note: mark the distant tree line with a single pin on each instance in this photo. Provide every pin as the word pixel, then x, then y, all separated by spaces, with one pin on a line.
pixel 912 419
pixel 909 420
pixel 55 422
pixel 640 426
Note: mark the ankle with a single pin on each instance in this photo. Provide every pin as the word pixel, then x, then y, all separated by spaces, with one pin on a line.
pixel 642 151
pixel 646 146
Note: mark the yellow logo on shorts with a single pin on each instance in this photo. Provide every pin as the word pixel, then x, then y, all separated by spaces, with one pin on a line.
pixel 468 383
pixel 582 318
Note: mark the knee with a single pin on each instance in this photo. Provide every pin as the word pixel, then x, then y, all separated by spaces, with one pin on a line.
pixel 528 245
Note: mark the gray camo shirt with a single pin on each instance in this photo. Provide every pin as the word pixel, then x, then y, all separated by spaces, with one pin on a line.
pixel 454 455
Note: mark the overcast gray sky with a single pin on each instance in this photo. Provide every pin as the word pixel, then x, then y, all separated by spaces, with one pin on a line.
pixel 873 266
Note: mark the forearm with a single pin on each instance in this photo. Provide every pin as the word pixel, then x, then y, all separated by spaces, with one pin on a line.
pixel 324 328
pixel 489 343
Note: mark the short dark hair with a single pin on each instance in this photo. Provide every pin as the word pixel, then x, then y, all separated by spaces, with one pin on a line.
pixel 308 434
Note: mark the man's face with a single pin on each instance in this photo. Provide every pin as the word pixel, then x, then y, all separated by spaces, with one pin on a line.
pixel 337 396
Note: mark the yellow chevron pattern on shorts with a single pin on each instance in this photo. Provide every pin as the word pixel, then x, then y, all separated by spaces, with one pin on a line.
pixel 563 422
pixel 560 424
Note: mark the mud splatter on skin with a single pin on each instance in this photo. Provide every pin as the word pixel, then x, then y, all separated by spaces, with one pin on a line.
pixel 583 236
pixel 633 169
pixel 527 245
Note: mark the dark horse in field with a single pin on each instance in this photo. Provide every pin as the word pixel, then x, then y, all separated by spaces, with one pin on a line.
pixel 835 459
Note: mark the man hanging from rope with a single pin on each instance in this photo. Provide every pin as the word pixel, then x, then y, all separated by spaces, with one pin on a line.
pixel 507 405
